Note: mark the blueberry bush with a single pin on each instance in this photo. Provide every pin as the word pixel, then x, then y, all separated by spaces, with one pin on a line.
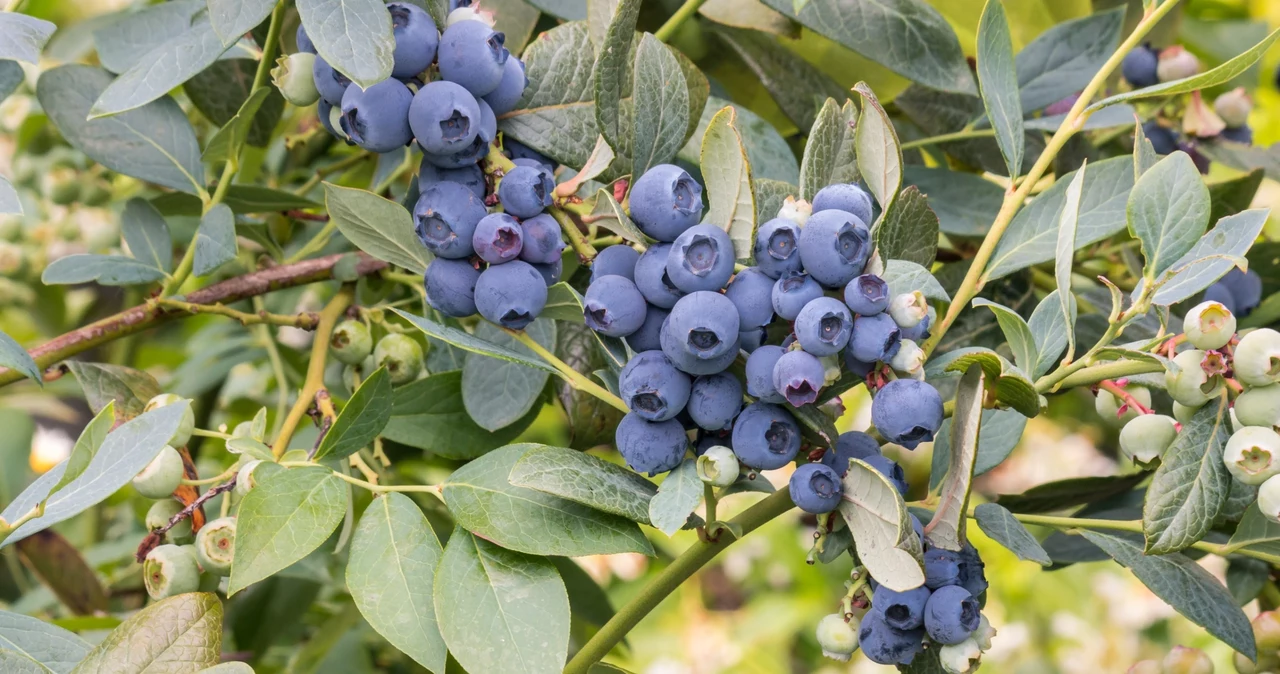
pixel 369 318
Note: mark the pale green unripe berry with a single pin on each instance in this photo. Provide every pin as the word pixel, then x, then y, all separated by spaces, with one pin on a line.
pixel 161 476
pixel 1269 498
pixel 1182 414
pixel 1252 454
pixel 401 355
pixel 216 545
pixel 1108 406
pixel 1183 660
pixel 1266 631
pixel 908 309
pixel 1234 107
pixel 909 359
pixel 1259 406
pixel 1209 325
pixel 1145 438
pixel 185 427
pixel 1188 383
pixel 984 633
pixel 1257 358
pixel 170 570
pixel 961 658
pixel 1176 63
pixel 293 77
pixel 795 210
pixel 245 481
pixel 159 515
pixel 351 342
pixel 837 638
pixel 718 466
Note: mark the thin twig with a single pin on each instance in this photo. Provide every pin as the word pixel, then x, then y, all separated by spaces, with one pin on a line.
pixel 153 539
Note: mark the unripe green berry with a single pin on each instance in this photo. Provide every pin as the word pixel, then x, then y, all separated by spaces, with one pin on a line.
pixel 1145 438
pixel 351 342
pixel 1188 383
pixel 1108 405
pixel 837 638
pixel 185 427
pixel 62 186
pixel 1269 500
pixel 1252 454
pixel 1266 631
pixel 1234 107
pixel 1183 660
pixel 159 515
pixel 401 355
pixel 1209 325
pixel 293 77
pixel 1267 663
pixel 1176 63
pixel 216 545
pixel 984 633
pixel 908 309
pixel 1257 358
pixel 718 466
pixel 245 481
pixel 961 658
pixel 909 359
pixel 161 476
pixel 1259 406
pixel 170 570
pixel 1182 414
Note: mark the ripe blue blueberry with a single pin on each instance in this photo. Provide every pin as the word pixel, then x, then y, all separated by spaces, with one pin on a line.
pixel 867 294
pixel 615 261
pixel 451 287
pixel 1238 134
pixel 701 258
pixel 775 247
pixel 329 82
pixel 907 412
pixel 760 366
pixel 874 338
pixel 517 150
pixel 416 39
pixel 846 197
pixel 903 610
pixel 652 387
pixel 792 292
pixel 445 219
pixel 703 325
pixel 1139 67
pixel 857 368
pixel 886 645
pixel 327 114
pixel 665 201
pixel 525 191
pixel 470 177
pixel 498 238
pixel 941 568
pixel 651 447
pixel 1246 289
pixel 542 242
pixel 445 118
pixel 534 163
pixel 834 246
pixel 708 439
pixel 478 147
pixel 890 469
pixel 919 332
pixel 511 294
pixel 823 326
pixel 972 571
pixel 765 436
pixel 851 445
pixel 652 279
pixel 714 401
pixel 815 488
pixel 304 41
pixel 613 307
pixel 551 272
pixel 1220 293
pixel 649 336
pixel 951 615
pixel 752 338
pixel 472 54
pixel 751 291
pixel 798 376
pixel 1163 140
pixel 504 98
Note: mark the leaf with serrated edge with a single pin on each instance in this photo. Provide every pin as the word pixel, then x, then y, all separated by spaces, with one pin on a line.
pixel 178 634
pixel 1191 484
pixel 353 36
pixel 1005 529
pixel 1168 212
pixel 1016 332
pixel 54 647
pixel 677 497
pixel 467 342
pixel 379 227
pixel 829 154
pixel 361 420
pixel 881 526
pixel 660 115
pixel 215 240
pixel 585 479
pixel 726 174
pixel 1210 258
pixel 946 529
pixel 998 83
pixel 879 154
pixel 1064 256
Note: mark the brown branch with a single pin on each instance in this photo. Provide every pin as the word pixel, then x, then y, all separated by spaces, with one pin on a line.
pixel 153 539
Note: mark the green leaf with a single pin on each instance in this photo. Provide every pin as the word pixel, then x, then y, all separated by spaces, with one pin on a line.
pixel 563 304
pixel 10 204
pixel 1205 80
pixel 829 153
pixel 215 240
pixel 283 519
pixel 1110 118
pixel 726 173
pixel 600 14
pixel 909 231
pixel 1064 258
pixel 613 218
pixel 770 195
pixel 1144 153
pixel 947 528
pixel 161 69
pixel 569 10
pixel 998 83
pixel 1005 529
pixel 1256 532
pixel 104 383
pixel 751 15
pixel 226 143
pixel 1246 578
pixel 1062 59
pixel 180 633
pixel 87 446
pixel 497 392
pixel 1011 385
pixel 394 554
pixel 557 115
pixel 878 150
pixel 472 344
pixel 429 414
pixel 13 356
pixel 767 151
pixel 612 72
pixel 678 496
pixel 229 668
pixel 881 527
pixel 241 198
pixel 587 480
pixel 796 85
pixel 483 501
pixel 998 435
pixel 1168 211
pixel 1211 257
pixel 221 91
pixel 231 19
pixel 588 602
pixel 17 663
pixel 379 227
pixel 501 611
pixel 602 156
pixel 107 270
pixel 1049 332
pixel 122 42
pixel 591 420
pixel 154 143
pixel 11 77
pixel 1071 492
pixel 353 36
pixel 904 276
pixel 1185 586
pixel 965 203
pixel 361 419
pixel 1016 332
pixel 23 37
pixel 56 649
pixel 147 234
pixel 1191 484
pixel 514 18
pixel 660 114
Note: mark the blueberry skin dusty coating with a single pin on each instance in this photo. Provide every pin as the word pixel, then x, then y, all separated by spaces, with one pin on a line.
pixel 651 447
pixel 834 246
pixel 665 201
pixel 798 377
pixel 850 445
pixel 703 325
pixel 775 248
pixel 511 294
pixel 652 387
pixel 470 177
pixel 451 287
pixel 816 488
pixel 765 436
pixel 874 338
pixel 1139 67
pixel 649 336
pixel 951 615
pixel 377 118
pixel 472 55
pixel 504 98
pixel 890 469
pixel 751 291
pixel 651 277
pixel 884 644
pixel 845 197
pixel 445 219
pixel 617 261
pixel 542 242
pixel 498 238
pixel 614 307
pixel 760 366
pixel 416 39
pixel 901 610
pixel 823 326
pixel 525 191
pixel 714 401
pixel 907 412
pixel 445 118
pixel 329 82
pixel 701 258
pixel 792 292
pixel 866 295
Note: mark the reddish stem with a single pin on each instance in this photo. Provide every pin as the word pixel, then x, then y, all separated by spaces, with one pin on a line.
pixel 1119 392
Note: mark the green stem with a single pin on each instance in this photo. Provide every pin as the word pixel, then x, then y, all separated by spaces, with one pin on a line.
pixel 577 239
pixel 324 171
pixel 277 368
pixel 226 475
pixel 575 379
pixel 200 432
pixel 687 10
pixel 1089 376
pixel 949 137
pixel 670 578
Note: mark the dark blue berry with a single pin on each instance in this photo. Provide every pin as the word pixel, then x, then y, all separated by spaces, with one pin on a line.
pixel 874 338
pixel 303 41
pixel 511 294
pixel 851 445
pixel 1246 290
pixel 649 336
pixel 416 39
pixel 665 201
pixel 751 291
pixel 752 338
pixel 907 412
pixel 760 366
pixel 951 615
pixel 867 294
pixel 551 272
pixel 1163 141
pixel 651 447
pixel 765 436
pixel 902 610
pixel 1239 134
pixel 917 333
pixel 470 177
pixel 614 307
pixel 445 118
pixel 891 470
pixel 615 261
pixel 857 367
pixel 834 247
pixel 823 326
pixel 701 258
pixel 525 191
pixel 846 197
pixel 651 277
pixel 517 151
pixel 972 571
pixel 542 242
pixel 652 387
pixel 941 568
pixel 815 488
pixel 507 95
pixel 798 376
pixel 703 325
pixel 498 238
pixel 886 645
pixel 1139 67
pixel 792 292
pixel 329 82
pixel 451 287
pixel 472 55
pixel 445 219
pixel 715 400
pixel 775 247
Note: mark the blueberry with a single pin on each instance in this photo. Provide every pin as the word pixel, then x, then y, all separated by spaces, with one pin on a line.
pixel 445 118
pixel 890 469
pixel 652 279
pixel 498 238
pixel 941 568
pixel 445 219
pixel 517 150
pixel 701 258
pixel 823 326
pixel 551 272
pixel 902 610
pixel 510 89
pixel 665 201
pixel 470 177
pixel 951 615
pixel 751 291
pixel 798 376
pixel 1209 325
pixel 161 476
pixel 867 294
pixel 525 191
pixel 649 336
pixel 857 368
pixel 1139 67
pixel 478 147
pixel 972 571
pixel 1240 134
pixel 511 294
pixel 651 447
pixel 303 41
pixel 715 400
pixel 1246 290
pixel 815 488
pixel 775 247
pixel 613 307
pixel 1220 293
pixel 917 333
pixel 834 246
pixel 851 445
pixel 619 260
pixel 1163 141
pixel 792 292
pixel 887 645
pixel 907 412
pixel 846 197
pixel 416 39
pixel 703 325
pixel 471 54
pixel 542 242
pixel 752 338
pixel 708 439
pixel 451 287
pixel 652 387
pixel 329 82
pixel 327 113
pixel 765 436
pixel 760 366
pixel 874 338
